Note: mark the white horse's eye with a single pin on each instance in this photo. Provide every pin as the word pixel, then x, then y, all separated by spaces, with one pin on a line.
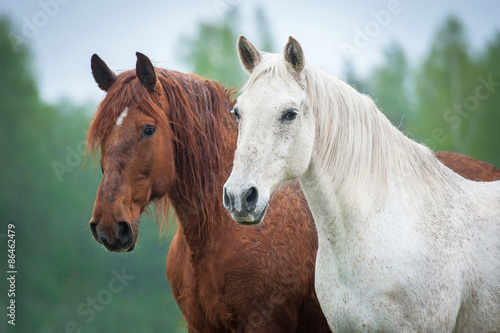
pixel 236 113
pixel 289 115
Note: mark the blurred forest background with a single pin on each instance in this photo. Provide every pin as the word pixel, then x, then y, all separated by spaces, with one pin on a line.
pixel 450 100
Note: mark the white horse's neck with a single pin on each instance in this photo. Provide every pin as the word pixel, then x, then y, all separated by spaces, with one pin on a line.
pixel 398 232
pixel 359 157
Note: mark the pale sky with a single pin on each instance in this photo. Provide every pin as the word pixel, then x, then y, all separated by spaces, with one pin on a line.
pixel 63 34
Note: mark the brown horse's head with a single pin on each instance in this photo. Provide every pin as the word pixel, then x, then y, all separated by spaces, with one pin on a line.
pixel 137 154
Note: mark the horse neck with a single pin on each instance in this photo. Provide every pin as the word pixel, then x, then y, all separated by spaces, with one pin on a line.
pixel 204 145
pixel 360 160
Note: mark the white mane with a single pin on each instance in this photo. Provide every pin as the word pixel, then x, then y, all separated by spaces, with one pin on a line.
pixel 377 152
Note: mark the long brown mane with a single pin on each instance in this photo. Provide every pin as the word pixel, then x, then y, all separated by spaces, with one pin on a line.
pixel 201 128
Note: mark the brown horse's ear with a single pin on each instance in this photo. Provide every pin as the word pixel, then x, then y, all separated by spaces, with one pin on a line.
pixel 145 72
pixel 294 55
pixel 249 56
pixel 103 76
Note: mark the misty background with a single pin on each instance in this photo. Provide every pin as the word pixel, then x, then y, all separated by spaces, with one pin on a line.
pixel 432 68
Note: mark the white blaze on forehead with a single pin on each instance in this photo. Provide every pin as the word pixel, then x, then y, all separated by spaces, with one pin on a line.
pixel 121 117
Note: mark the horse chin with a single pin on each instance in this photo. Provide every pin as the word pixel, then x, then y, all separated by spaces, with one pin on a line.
pixel 250 219
pixel 113 248
pixel 132 247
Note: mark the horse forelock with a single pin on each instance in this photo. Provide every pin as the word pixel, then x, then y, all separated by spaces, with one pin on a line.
pixel 273 66
pixel 127 91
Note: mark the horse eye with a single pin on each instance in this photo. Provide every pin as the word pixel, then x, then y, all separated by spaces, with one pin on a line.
pixel 289 115
pixel 236 113
pixel 147 131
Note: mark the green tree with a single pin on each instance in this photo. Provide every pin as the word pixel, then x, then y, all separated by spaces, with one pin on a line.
pixel 352 77
pixel 443 82
pixel 48 195
pixel 18 106
pixel 390 85
pixel 212 51
pixel 483 135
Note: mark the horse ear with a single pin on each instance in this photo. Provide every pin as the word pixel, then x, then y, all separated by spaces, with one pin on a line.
pixel 249 56
pixel 103 76
pixel 145 72
pixel 294 54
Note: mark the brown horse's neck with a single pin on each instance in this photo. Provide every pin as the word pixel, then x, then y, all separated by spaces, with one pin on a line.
pixel 204 136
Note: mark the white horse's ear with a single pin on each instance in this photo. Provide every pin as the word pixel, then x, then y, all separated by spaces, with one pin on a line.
pixel 294 54
pixel 249 56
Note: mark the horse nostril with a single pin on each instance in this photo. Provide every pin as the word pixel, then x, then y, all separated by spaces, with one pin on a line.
pixel 93 229
pixel 250 198
pixel 124 232
pixel 228 203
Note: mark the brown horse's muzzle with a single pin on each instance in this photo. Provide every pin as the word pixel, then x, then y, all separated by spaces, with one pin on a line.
pixel 115 236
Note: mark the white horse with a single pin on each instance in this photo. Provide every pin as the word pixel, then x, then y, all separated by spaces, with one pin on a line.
pixel 405 244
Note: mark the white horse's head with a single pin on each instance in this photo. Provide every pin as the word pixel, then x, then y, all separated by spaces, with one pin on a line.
pixel 276 129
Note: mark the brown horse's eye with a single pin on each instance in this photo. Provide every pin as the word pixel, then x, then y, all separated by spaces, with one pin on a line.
pixel 147 131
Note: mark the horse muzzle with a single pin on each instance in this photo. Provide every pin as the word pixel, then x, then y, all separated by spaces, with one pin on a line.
pixel 243 204
pixel 115 237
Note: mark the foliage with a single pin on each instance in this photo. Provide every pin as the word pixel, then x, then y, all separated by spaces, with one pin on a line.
pixel 212 51
pixel 451 101
pixel 390 84
pixel 48 194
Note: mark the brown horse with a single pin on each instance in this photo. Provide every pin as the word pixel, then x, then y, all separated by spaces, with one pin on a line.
pixel 469 167
pixel 168 138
